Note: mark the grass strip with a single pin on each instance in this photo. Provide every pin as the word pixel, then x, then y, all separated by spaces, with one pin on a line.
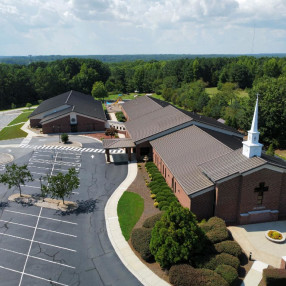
pixel 23 117
pixel 12 132
pixel 129 210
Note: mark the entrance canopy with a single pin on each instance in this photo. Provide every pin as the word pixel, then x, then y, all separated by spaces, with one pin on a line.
pixel 118 143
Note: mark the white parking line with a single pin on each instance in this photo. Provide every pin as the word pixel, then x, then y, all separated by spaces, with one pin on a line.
pixel 32 256
pixel 33 187
pixel 48 230
pixel 32 240
pixel 59 220
pixel 34 276
pixel 36 241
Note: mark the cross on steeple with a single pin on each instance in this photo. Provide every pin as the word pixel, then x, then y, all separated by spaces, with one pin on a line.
pixel 260 190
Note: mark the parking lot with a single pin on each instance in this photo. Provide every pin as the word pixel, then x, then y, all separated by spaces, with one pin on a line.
pixel 50 162
pixel 40 246
pixel 35 247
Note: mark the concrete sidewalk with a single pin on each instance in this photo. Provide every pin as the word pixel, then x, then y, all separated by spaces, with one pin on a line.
pixel 254 275
pixel 126 255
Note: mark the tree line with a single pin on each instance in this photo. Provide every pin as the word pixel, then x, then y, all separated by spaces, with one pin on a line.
pixel 180 81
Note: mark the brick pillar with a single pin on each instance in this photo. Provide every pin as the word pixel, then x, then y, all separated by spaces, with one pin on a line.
pixel 107 155
pixel 283 262
pixel 129 153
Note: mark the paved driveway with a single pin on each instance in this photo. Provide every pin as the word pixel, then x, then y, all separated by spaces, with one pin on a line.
pixel 40 246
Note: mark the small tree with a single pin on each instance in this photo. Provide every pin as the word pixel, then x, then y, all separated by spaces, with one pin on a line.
pixel 15 176
pixel 29 105
pixel 13 105
pixel 111 131
pixel 61 186
pixel 99 90
pixel 270 150
pixel 176 237
pixel 64 138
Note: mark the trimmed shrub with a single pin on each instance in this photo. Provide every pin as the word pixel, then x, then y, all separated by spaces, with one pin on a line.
pixel 216 222
pixel 228 246
pixel 165 208
pixel 274 277
pixel 217 234
pixel 163 204
pixel 186 275
pixel 153 196
pixel 213 261
pixel 182 275
pixel 65 138
pixel 228 273
pixel 151 221
pixel 156 204
pixel 140 239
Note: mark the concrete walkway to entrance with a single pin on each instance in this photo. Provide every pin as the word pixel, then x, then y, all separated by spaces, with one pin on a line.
pixel 252 238
pixel 122 248
pixel 254 275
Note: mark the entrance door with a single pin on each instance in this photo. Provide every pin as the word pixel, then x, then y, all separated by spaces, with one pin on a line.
pixel 74 128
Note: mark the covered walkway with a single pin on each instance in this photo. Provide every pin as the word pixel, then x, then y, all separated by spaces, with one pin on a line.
pixel 116 143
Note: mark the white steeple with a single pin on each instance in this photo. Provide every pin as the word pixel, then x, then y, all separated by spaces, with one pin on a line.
pixel 252 147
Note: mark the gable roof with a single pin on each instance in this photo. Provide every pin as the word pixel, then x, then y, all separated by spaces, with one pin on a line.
pixel 140 106
pixel 117 143
pixel 155 123
pixel 81 103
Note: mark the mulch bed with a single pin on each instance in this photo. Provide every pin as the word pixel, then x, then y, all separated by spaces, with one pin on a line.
pixel 139 187
pixel 98 136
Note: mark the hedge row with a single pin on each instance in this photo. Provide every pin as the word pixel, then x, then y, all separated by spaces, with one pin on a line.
pixel 161 192
pixel 215 230
pixel 140 239
pixel 274 277
pixel 213 261
pixel 120 116
pixel 186 275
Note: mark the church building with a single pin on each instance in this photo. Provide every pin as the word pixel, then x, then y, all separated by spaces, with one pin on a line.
pixel 208 166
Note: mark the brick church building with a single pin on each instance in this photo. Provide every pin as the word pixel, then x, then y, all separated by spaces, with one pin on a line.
pixel 208 166
pixel 71 111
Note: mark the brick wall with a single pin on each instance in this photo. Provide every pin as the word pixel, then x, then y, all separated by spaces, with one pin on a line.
pixel 282 201
pixel 171 181
pixel 34 122
pixel 203 205
pixel 227 198
pixel 62 125
pixel 248 199
pixel 85 124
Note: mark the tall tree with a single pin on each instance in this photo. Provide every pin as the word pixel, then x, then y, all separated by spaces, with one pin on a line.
pixel 99 90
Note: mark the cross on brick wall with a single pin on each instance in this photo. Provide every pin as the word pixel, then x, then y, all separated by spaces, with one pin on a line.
pixel 260 190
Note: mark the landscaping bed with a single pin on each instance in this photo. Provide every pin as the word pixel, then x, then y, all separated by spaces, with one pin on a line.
pixel 218 261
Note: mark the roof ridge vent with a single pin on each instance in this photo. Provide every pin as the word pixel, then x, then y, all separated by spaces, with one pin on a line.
pixel 68 96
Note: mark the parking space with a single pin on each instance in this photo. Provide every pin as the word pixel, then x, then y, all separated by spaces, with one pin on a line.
pixel 50 162
pixel 36 248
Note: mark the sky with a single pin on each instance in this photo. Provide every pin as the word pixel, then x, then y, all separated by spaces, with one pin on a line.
pixel 112 27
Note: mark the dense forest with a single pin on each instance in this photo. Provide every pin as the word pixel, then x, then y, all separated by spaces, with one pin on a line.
pixel 180 81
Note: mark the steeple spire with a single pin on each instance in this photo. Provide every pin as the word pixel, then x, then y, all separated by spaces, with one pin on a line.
pixel 252 147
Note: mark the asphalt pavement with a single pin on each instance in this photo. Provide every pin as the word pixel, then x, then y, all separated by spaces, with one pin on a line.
pixel 41 246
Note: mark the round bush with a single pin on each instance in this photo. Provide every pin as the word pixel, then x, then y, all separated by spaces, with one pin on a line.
pixel 140 239
pixel 218 234
pixel 151 221
pixel 156 204
pixel 213 261
pixel 165 208
pixel 208 277
pixel 153 196
pixel 228 273
pixel 182 275
pixel 228 246
pixel 215 222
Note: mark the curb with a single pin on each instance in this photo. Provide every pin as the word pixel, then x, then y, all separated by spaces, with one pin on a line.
pixel 120 245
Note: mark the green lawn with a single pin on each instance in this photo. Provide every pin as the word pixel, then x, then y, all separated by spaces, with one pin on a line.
pixel 213 90
pixel 129 210
pixel 23 117
pixel 281 153
pixel 12 132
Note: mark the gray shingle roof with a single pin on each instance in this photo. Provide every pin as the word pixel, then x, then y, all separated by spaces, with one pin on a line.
pixel 81 103
pixel 155 122
pixel 182 152
pixel 57 114
pixel 117 143
pixel 230 164
pixel 140 106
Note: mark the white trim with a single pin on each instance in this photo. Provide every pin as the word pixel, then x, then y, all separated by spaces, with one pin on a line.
pixel 216 129
pixel 265 166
